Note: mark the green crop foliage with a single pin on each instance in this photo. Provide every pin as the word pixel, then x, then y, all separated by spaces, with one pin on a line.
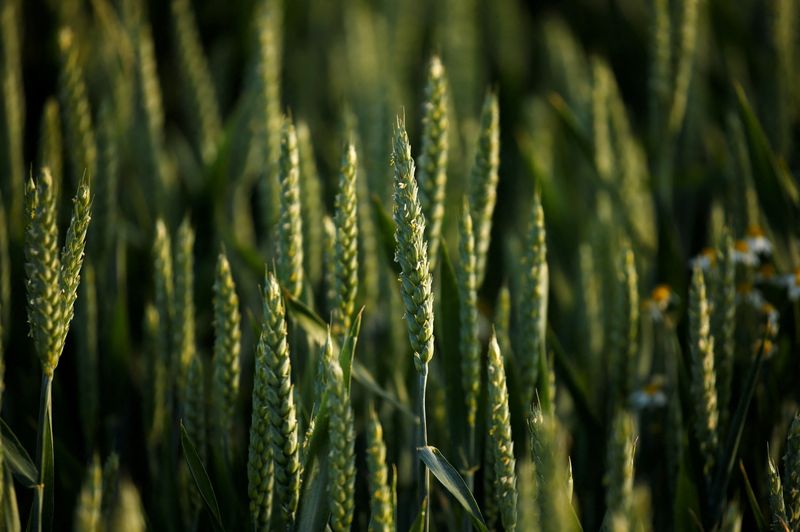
pixel 399 265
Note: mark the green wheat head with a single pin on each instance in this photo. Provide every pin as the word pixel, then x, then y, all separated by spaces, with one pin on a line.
pixel 469 343
pixel 80 136
pixel 432 175
pixel 502 444
pixel 290 223
pixel 533 302
pixel 777 507
pixel 381 505
pixel 227 340
pixel 341 457
pixel 282 433
pixel 346 243
pixel 703 380
pixel 183 327
pixel 53 277
pixel 87 512
pixel 411 251
pixel 483 180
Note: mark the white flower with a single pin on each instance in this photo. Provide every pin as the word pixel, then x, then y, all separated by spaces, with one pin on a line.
pixel 744 254
pixel 650 395
pixel 705 260
pixel 792 283
pixel 660 299
pixel 757 241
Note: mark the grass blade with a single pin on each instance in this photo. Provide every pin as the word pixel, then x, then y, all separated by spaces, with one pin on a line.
pixel 758 516
pixel 17 458
pixel 200 477
pixel 447 475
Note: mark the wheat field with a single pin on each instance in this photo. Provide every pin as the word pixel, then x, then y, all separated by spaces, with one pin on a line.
pixel 399 265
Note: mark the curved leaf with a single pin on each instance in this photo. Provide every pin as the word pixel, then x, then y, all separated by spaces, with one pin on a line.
pixel 447 475
pixel 17 458
pixel 200 477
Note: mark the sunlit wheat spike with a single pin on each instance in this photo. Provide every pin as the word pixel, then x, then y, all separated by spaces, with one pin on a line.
pixel 87 357
pixel 42 268
pixel 128 514
pixel 432 174
pixel 283 432
pixel 183 327
pixel 202 100
pixel 381 507
pixel 73 251
pixel 194 417
pixel 703 380
pixel 686 52
pixel 777 507
pixel 312 205
pixel 625 338
pixel 268 122
pixel 791 473
pixel 164 286
pixel 80 137
pixel 87 512
pixel 533 302
pixel 51 147
pixel 12 131
pixel 341 458
pixel 618 480
pixel 227 340
pixel 468 341
pixel 505 477
pixel 723 328
pixel 346 246
pixel 290 223
pixel 259 462
pixel 483 180
pixel 411 251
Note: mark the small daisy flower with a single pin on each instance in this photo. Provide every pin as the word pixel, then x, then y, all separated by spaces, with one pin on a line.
pixel 659 301
pixel 743 254
pixel 651 395
pixel 757 241
pixel 706 259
